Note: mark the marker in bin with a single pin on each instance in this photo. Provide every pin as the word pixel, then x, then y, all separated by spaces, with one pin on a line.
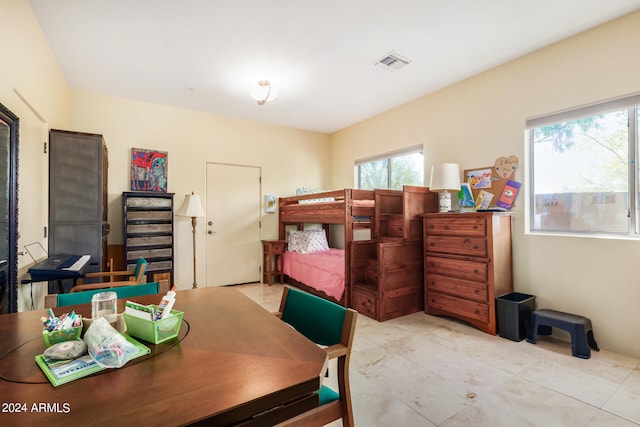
pixel 65 321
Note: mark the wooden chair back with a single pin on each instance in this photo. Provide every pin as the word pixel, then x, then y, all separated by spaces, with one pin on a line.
pixel 135 277
pixel 331 325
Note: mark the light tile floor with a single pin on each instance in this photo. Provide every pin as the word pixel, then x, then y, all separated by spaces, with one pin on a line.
pixel 421 370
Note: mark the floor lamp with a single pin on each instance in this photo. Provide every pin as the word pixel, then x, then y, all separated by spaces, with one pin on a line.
pixel 192 207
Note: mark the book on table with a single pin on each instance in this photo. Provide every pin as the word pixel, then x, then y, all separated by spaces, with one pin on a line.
pixel 63 371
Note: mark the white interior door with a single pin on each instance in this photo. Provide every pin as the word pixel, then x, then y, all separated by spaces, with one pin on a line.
pixel 233 224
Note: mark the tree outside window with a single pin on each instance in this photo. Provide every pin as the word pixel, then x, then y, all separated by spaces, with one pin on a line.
pixel 582 174
pixel 392 171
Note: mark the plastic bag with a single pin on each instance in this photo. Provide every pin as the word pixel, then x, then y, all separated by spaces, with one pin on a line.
pixel 108 347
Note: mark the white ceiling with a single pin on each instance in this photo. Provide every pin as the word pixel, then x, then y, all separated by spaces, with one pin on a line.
pixel 207 54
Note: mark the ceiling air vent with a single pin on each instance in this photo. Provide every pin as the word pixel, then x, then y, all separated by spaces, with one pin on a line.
pixel 392 62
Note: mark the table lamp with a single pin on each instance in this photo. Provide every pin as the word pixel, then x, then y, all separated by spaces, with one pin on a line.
pixel 445 178
pixel 192 207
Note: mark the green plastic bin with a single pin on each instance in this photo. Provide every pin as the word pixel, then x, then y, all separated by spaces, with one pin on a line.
pixel 154 332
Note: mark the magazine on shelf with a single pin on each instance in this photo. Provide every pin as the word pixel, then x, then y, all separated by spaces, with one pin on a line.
pixel 63 371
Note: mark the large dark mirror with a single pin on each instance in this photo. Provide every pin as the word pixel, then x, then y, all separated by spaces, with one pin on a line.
pixel 8 210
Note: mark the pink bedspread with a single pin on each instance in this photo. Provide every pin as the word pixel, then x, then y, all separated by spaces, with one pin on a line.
pixel 323 270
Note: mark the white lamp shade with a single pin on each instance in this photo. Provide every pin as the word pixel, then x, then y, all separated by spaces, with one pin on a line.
pixel 192 207
pixel 445 177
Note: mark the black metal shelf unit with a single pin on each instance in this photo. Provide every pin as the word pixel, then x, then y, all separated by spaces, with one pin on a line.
pixel 148 231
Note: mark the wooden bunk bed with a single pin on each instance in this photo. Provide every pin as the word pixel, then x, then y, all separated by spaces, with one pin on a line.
pixel 352 208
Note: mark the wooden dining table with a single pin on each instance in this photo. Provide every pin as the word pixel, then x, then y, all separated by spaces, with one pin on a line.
pixel 232 363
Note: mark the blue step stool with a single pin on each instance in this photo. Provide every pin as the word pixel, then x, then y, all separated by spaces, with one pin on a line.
pixel 578 326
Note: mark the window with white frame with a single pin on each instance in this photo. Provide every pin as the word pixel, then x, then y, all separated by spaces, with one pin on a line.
pixel 391 170
pixel 584 174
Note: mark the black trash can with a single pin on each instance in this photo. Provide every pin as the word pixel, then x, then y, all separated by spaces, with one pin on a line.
pixel 514 314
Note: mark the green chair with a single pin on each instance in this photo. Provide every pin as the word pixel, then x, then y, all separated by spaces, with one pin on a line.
pixel 327 324
pixel 134 277
pixel 84 297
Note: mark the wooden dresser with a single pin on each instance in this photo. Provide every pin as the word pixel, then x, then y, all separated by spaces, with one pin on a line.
pixel 467 263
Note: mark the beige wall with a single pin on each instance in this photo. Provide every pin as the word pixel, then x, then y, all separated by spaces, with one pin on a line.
pixel 288 158
pixel 32 86
pixel 478 120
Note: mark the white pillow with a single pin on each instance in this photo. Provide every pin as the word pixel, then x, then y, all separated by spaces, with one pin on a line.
pixel 306 242
pixel 294 241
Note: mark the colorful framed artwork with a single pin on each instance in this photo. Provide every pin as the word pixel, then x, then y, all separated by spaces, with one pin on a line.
pixel 479 178
pixel 149 170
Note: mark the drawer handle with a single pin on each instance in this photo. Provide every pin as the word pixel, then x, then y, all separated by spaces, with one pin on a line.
pixel 432 264
pixel 477 311
pixel 475 246
pixel 432 244
pixel 475 270
pixel 433 282
pixel 477 291
pixel 475 227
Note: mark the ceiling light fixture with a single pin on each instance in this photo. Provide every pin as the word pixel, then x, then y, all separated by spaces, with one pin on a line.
pixel 264 93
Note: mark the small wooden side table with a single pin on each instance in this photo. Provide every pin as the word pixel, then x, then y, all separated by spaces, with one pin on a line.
pixel 271 251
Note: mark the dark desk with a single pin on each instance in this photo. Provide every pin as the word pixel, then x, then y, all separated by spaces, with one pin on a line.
pixel 237 360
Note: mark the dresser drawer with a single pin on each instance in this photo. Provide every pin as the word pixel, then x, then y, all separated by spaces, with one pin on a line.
pixel 150 202
pixel 461 269
pixel 132 242
pixel 456 226
pixel 150 228
pixel 474 246
pixel 150 253
pixel 277 247
pixel 475 291
pixel 458 306
pixel 149 215
pixel 155 266
pixel 365 302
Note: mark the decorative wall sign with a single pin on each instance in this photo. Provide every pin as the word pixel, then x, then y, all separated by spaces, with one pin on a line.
pixel 149 170
pixel 505 168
